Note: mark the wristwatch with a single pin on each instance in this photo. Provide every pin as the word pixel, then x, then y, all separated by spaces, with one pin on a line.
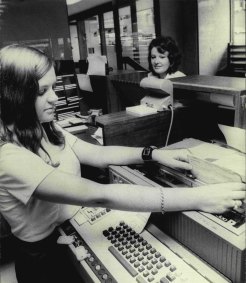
pixel 147 153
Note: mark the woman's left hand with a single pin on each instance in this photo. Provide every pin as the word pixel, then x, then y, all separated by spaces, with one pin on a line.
pixel 175 158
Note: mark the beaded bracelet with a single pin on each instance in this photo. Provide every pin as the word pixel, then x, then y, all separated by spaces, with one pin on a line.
pixel 162 201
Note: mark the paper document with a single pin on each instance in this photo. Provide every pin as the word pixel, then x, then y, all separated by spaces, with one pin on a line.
pixel 84 82
pixel 235 137
pixel 98 135
pixel 97 65
pixel 224 157
pixel 211 173
pixel 141 110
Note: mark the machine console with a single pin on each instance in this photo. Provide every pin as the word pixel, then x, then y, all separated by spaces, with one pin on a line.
pixel 116 248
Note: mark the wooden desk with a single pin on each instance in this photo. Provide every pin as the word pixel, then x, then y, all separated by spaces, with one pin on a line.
pixel 122 128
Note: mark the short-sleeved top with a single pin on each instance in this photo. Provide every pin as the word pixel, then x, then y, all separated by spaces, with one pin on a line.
pixel 21 171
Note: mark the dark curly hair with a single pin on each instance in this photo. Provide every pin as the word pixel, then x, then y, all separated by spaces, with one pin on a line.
pixel 163 44
pixel 21 67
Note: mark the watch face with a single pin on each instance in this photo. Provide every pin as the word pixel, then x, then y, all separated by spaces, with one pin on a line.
pixel 147 153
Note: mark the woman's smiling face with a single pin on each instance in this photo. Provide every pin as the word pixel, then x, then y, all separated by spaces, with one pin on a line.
pixel 160 62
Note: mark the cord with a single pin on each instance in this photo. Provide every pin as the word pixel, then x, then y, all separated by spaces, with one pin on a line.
pixel 171 123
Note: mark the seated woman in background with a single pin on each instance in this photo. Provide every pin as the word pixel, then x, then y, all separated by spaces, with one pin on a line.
pixel 40 170
pixel 164 58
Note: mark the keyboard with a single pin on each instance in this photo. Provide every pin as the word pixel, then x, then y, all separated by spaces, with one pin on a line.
pixel 118 251
pixel 145 259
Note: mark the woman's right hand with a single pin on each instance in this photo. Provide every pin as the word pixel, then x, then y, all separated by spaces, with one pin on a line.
pixel 219 198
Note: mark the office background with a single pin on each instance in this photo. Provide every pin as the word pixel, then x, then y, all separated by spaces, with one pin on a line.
pixel 121 28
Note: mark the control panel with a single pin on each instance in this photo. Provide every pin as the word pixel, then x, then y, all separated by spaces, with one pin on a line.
pixel 90 258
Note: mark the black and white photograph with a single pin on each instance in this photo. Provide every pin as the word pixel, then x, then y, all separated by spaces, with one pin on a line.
pixel 122 141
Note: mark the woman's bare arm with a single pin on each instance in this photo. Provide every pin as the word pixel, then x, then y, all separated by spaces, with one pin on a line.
pixel 65 188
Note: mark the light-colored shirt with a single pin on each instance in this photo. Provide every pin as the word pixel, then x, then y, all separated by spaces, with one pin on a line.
pixel 177 74
pixel 21 171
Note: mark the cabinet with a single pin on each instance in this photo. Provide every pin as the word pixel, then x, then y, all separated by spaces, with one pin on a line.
pixel 227 95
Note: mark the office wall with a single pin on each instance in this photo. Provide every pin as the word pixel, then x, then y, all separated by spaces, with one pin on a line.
pixel 179 20
pixel 43 23
pixel 214 34
pixel 202 31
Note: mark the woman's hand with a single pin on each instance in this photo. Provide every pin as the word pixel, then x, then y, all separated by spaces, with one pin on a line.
pixel 175 158
pixel 219 198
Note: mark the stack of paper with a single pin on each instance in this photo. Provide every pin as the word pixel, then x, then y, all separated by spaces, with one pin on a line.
pixel 141 110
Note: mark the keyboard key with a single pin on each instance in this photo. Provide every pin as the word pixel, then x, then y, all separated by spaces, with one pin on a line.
pixel 140 249
pixel 136 254
pixel 128 246
pixel 141 268
pixel 151 278
pixel 106 233
pixel 128 256
pixel 148 246
pixel 164 280
pixel 145 273
pixel 132 260
pixel 154 261
pixel 121 259
pixel 132 250
pixel 145 253
pixel 124 252
pixel 140 239
pixel 149 266
pixel 167 263
pixel 154 271
pixel 173 268
pixel 159 265
pixel 153 250
pixel 171 277
pixel 157 254
pixel 140 258
pixel 149 257
pixel 140 279
pixel 145 262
